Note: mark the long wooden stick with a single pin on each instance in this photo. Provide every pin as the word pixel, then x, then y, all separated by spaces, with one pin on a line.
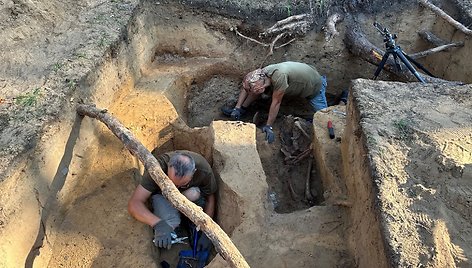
pixel 220 239
pixel 446 17
pixel 435 50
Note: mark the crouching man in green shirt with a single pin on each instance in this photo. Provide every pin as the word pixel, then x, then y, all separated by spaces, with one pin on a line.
pixel 288 78
pixel 193 176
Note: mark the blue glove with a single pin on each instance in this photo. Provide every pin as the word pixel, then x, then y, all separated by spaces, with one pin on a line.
pixel 203 242
pixel 270 137
pixel 162 234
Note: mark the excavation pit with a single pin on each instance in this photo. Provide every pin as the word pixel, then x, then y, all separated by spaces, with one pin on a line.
pixel 392 189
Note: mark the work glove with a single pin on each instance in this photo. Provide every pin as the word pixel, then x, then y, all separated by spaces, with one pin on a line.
pixel 203 242
pixel 236 113
pixel 162 234
pixel 270 137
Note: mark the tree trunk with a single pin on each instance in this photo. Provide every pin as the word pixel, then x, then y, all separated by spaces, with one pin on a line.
pixel 220 239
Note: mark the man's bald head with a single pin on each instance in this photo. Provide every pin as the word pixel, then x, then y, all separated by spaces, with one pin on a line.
pixel 183 164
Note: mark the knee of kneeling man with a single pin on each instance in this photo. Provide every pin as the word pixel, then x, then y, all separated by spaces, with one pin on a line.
pixel 192 194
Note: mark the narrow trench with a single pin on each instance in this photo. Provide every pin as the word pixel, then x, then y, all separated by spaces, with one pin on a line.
pixel 286 181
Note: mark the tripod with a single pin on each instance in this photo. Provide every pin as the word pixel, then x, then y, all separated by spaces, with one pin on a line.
pixel 397 52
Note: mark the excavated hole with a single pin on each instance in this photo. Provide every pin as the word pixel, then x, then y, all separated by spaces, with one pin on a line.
pixel 198 75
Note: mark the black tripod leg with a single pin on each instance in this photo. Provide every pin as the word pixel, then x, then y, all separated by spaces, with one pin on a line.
pixel 409 66
pixel 381 65
pixel 397 64
pixel 418 65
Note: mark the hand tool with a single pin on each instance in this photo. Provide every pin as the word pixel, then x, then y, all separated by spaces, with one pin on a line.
pixel 331 130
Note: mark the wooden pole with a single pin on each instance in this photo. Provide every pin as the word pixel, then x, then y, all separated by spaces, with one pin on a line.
pixel 435 50
pixel 220 239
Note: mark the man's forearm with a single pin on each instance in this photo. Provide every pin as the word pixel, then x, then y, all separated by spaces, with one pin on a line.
pixel 242 97
pixel 273 111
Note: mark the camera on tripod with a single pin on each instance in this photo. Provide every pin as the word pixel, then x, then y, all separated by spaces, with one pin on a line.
pixel 397 52
pixel 389 38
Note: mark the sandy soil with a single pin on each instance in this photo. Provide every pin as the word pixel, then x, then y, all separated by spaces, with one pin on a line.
pixel 418 138
pixel 73 178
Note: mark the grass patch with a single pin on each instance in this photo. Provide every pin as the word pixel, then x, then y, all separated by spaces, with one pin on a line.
pixel 80 55
pixel 288 7
pixel 403 127
pixel 71 83
pixel 57 67
pixel 103 42
pixel 29 99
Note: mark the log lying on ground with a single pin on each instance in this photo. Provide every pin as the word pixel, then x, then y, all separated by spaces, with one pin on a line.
pixel 220 239
pixel 446 17
pixel 359 45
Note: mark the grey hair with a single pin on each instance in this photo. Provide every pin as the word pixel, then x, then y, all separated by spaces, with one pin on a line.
pixel 183 164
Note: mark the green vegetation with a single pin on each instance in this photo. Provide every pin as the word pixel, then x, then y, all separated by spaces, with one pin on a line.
pixel 403 128
pixel 29 99
pixel 71 83
pixel 103 42
pixel 321 5
pixel 288 6
pixel 57 67
pixel 80 54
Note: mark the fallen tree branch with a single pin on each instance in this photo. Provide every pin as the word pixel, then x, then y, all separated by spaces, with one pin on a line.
pixel 435 50
pixel 446 17
pixel 220 239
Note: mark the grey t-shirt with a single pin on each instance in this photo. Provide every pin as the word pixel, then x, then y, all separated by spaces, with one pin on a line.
pixel 294 79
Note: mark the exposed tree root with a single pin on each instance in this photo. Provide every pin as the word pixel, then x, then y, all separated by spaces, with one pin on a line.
pixel 330 27
pixel 298 24
pixel 293 25
pixel 271 45
pixel 220 239
pixel 446 17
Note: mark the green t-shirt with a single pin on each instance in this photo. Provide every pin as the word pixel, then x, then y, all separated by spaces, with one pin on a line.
pixel 202 178
pixel 295 79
